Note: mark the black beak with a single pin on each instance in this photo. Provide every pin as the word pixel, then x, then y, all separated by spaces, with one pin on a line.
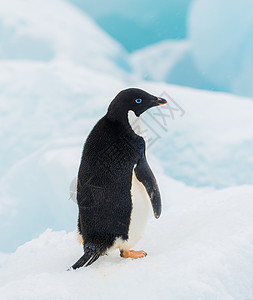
pixel 161 101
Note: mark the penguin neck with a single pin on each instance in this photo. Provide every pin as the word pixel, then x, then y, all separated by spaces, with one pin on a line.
pixel 134 121
pixel 121 117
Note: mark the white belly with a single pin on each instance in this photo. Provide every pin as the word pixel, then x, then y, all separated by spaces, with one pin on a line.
pixel 139 215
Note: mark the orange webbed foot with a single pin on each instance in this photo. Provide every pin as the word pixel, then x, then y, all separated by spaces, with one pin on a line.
pixel 132 253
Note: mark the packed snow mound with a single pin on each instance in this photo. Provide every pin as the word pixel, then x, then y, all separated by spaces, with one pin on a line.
pixel 200 248
pixel 36 30
pixel 220 33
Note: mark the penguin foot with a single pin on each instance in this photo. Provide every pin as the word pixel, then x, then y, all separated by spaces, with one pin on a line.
pixel 132 253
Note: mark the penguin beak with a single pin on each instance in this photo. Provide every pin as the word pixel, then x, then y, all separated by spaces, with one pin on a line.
pixel 161 101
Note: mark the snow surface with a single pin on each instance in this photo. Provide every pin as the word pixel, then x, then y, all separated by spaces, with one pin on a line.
pixel 50 98
pixel 201 248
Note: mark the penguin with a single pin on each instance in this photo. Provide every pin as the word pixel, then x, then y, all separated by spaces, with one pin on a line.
pixel 115 181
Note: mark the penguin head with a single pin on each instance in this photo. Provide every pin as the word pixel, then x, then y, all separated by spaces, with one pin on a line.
pixel 136 100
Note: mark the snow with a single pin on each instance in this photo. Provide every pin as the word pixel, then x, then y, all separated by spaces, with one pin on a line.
pixel 201 248
pixel 54 86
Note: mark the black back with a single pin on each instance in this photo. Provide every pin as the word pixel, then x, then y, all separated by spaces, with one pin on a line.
pixel 104 181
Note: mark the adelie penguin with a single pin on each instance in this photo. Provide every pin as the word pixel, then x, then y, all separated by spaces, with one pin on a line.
pixel 114 180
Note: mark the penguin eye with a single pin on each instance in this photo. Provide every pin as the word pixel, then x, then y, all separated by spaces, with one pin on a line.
pixel 139 100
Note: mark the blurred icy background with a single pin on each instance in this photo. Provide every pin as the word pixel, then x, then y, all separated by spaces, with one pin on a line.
pixel 61 63
pixel 201 43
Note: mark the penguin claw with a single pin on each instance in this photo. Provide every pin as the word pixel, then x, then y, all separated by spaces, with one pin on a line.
pixel 132 253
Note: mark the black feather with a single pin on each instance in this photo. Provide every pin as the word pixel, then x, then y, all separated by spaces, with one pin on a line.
pixel 91 254
pixel 85 260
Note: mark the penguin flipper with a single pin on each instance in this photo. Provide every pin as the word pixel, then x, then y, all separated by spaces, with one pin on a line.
pixel 145 175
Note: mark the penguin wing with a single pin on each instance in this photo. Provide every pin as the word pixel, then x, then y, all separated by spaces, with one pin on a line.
pixel 147 178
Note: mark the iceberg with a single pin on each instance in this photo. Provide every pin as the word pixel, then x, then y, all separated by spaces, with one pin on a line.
pixel 220 33
pixel 216 54
pixel 57 30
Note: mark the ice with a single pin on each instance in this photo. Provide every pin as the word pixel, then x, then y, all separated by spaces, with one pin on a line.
pixel 209 143
pixel 220 33
pixel 42 102
pixel 35 31
pixel 154 62
pixel 169 61
pixel 35 189
pixel 216 55
pixel 148 21
pixel 47 58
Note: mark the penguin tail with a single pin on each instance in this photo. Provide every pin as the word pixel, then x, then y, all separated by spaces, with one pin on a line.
pixel 87 259
pixel 84 261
